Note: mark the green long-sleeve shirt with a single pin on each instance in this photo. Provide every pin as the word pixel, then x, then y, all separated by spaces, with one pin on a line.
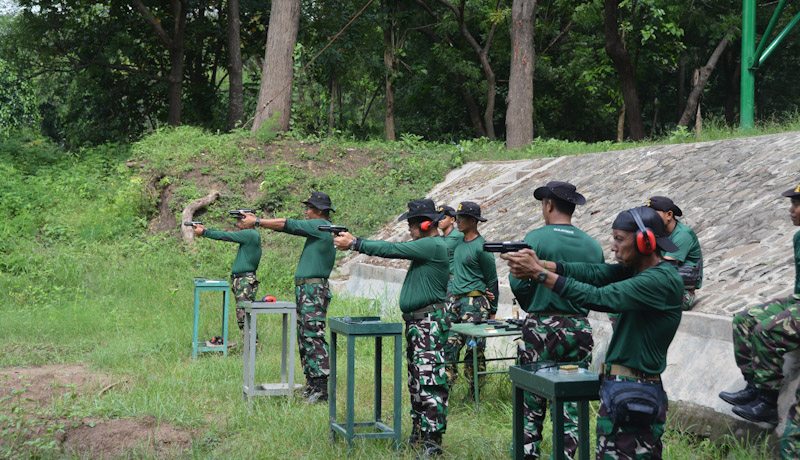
pixel 452 239
pixel 688 252
pixel 426 279
pixel 319 255
pixel 474 270
pixel 648 303
pixel 249 253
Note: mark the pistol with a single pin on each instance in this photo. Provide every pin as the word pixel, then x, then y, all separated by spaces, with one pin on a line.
pixel 239 213
pixel 505 246
pixel 335 229
pixel 192 223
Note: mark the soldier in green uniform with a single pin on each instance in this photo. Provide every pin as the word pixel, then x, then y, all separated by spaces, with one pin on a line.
pixel 761 337
pixel 688 258
pixel 474 274
pixel 555 328
pixel 244 283
pixel 312 293
pixel 451 236
pixel 422 301
pixel 646 292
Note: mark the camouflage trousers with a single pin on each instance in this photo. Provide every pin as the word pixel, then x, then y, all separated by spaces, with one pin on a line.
pixel 790 441
pixel 761 335
pixel 465 310
pixel 312 309
pixel 625 442
pixel 244 290
pixel 427 383
pixel 559 339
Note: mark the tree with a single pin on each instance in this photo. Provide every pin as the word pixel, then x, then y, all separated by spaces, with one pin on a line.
pixel 697 90
pixel 615 48
pixel 235 102
pixel 275 95
pixel 519 115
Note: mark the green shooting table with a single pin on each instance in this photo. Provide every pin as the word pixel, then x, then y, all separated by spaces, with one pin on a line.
pixel 286 387
pixel 206 284
pixel 547 380
pixel 480 331
pixel 352 328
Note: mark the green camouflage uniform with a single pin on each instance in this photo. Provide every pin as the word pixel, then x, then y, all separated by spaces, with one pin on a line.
pixel 465 309
pixel 790 441
pixel 563 338
pixel 248 256
pixel 312 294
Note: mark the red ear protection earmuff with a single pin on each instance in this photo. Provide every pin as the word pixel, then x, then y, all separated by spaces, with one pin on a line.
pixel 426 225
pixel 645 238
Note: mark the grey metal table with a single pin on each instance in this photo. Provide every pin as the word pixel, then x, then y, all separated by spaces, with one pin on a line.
pixel 547 380
pixel 286 387
pixel 365 326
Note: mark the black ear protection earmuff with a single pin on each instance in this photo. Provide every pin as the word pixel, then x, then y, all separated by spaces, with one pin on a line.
pixel 645 238
pixel 426 225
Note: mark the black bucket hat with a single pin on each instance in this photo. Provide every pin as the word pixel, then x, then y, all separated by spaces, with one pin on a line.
pixel 664 204
pixel 446 211
pixel 792 192
pixel 560 190
pixel 650 218
pixel 320 201
pixel 421 208
pixel 469 208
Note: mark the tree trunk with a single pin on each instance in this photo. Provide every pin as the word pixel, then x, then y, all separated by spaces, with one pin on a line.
pixel 681 85
pixel 519 115
pixel 277 75
pixel 621 124
pixel 333 87
pixel 388 61
pixel 622 62
pixel 472 107
pixel 733 80
pixel 235 98
pixel 702 78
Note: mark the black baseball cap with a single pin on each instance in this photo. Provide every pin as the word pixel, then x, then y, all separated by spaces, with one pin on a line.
pixel 421 208
pixel 320 201
pixel 560 190
pixel 650 218
pixel 447 211
pixel 662 203
pixel 792 192
pixel 469 208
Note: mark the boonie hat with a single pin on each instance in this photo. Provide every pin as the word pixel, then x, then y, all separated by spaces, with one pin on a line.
pixel 320 201
pixel 561 190
pixel 651 220
pixel 664 204
pixel 421 208
pixel 792 192
pixel 469 208
pixel 447 211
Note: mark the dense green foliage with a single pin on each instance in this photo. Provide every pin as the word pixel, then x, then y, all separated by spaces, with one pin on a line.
pixel 94 71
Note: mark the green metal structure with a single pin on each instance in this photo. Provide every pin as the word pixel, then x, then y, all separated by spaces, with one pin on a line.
pixel 753 58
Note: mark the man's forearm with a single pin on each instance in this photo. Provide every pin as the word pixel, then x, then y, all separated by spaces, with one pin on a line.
pixel 273 224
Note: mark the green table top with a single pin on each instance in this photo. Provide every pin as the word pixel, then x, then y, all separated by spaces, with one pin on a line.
pixel 547 379
pixel 208 282
pixel 482 330
pixel 364 325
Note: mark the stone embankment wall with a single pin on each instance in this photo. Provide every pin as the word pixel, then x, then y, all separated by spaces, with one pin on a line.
pixel 729 192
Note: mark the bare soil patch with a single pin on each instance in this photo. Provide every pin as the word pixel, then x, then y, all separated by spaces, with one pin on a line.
pixel 37 387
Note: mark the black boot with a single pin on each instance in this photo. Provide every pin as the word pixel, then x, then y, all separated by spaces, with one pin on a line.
pixel 320 391
pixel 741 397
pixel 416 435
pixel 762 409
pixel 431 445
pixel 308 389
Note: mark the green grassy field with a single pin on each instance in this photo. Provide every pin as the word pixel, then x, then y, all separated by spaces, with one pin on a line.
pixel 84 281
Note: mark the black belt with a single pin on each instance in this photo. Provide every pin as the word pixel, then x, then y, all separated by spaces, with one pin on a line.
pixel 424 311
pixel 242 275
pixel 625 371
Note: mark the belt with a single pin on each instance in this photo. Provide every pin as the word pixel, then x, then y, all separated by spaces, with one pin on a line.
pixel 299 281
pixel 625 371
pixel 452 276
pixel 470 294
pixel 424 311
pixel 242 275
pixel 553 313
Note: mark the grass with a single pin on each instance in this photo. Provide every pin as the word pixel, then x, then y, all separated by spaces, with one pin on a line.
pixel 82 281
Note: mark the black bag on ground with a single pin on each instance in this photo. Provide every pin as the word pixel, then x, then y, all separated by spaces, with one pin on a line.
pixel 690 274
pixel 632 403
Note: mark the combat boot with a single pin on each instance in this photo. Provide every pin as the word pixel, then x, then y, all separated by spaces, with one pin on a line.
pixel 308 389
pixel 320 391
pixel 430 445
pixel 416 431
pixel 741 397
pixel 762 409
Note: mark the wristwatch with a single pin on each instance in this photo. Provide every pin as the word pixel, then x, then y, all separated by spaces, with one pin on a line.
pixel 542 276
pixel 258 222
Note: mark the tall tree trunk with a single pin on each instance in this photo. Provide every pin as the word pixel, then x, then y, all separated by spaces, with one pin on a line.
pixel 622 62
pixel 333 89
pixel 732 82
pixel 700 84
pixel 621 124
pixel 277 75
pixel 176 48
pixel 388 61
pixel 235 98
pixel 519 114
pixel 681 85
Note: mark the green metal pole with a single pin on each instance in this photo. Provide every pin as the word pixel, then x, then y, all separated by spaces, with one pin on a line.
pixel 747 95
pixel 763 57
pixel 765 37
